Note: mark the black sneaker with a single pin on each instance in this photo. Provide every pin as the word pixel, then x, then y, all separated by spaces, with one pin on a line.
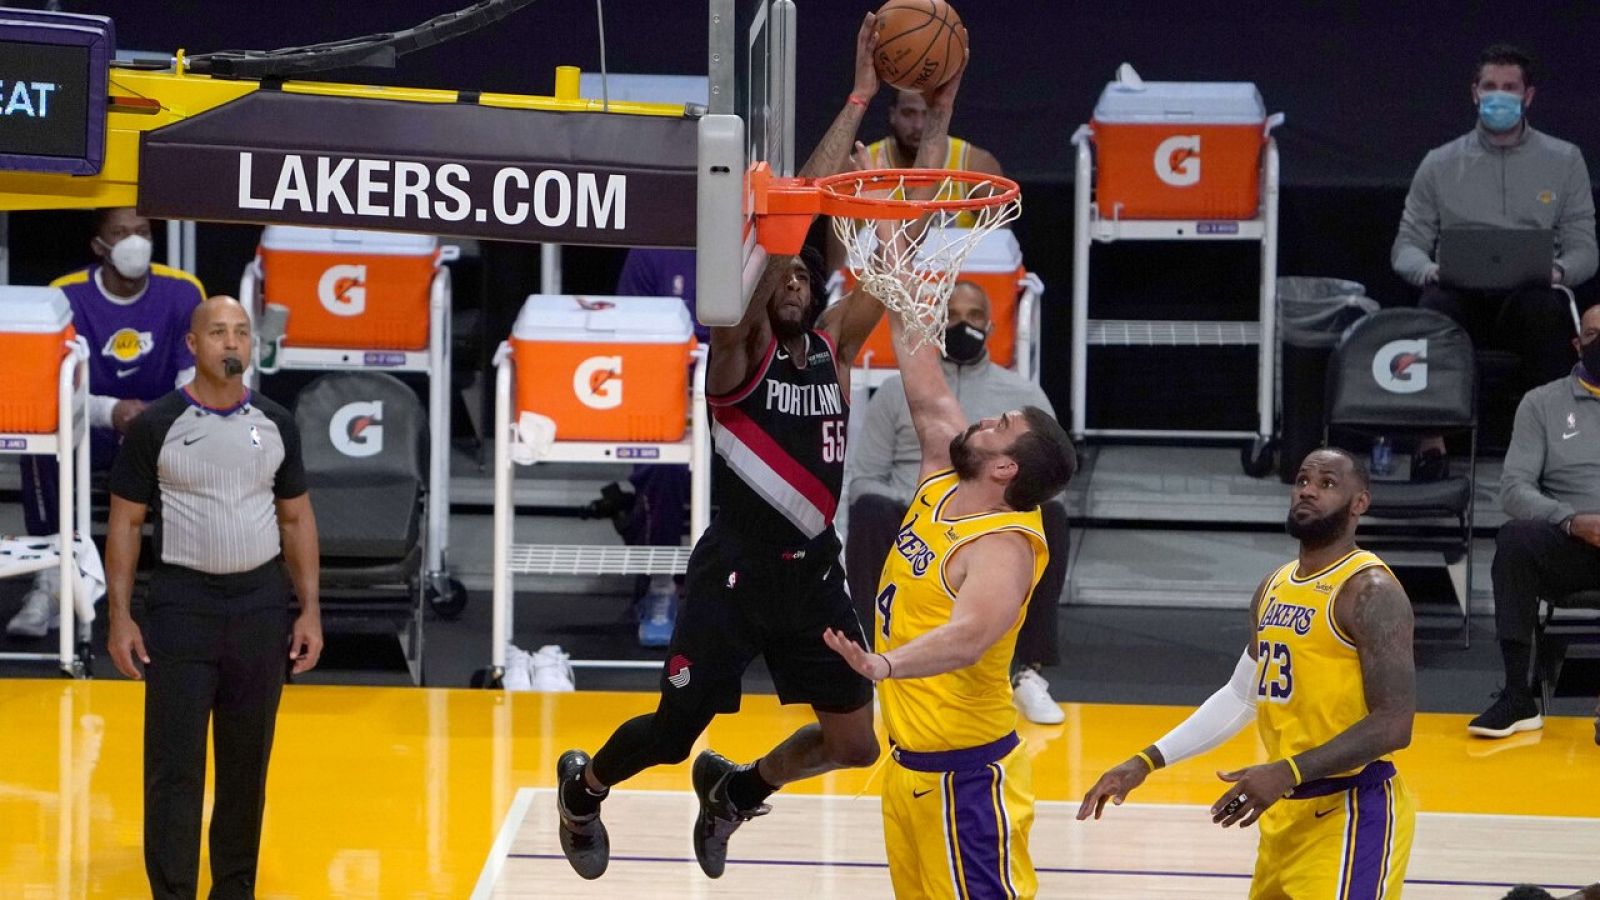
pixel 718 818
pixel 1430 465
pixel 583 838
pixel 1509 714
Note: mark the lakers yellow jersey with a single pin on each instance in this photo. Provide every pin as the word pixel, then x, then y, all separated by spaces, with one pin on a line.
pixel 971 706
pixel 883 156
pixel 1308 676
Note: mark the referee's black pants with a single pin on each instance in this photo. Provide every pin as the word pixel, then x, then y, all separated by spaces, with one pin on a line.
pixel 219 652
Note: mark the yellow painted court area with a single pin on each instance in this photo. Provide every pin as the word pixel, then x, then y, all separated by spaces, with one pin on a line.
pixel 401 792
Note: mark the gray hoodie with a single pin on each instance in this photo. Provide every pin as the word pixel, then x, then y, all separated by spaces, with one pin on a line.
pixel 1538 182
pixel 886 455
pixel 1552 468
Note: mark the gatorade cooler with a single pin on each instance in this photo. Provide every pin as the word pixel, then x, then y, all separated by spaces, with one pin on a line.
pixel 605 368
pixel 350 289
pixel 995 265
pixel 1179 150
pixel 35 328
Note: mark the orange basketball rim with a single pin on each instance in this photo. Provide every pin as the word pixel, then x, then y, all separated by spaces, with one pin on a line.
pixel 785 207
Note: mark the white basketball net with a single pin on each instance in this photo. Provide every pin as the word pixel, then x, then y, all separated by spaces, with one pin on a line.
pixel 911 265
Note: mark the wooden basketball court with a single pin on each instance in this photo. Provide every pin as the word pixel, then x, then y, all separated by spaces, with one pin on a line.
pixel 832 846
pixel 386 792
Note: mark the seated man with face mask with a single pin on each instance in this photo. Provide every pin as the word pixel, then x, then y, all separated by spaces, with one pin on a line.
pixel 1549 547
pixel 881 477
pixel 134 316
pixel 1502 174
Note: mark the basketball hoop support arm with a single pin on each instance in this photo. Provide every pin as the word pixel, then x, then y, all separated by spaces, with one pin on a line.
pixel 784 208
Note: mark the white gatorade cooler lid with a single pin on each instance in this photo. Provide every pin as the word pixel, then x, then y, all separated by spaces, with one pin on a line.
pixel 304 239
pixel 33 310
pixel 579 318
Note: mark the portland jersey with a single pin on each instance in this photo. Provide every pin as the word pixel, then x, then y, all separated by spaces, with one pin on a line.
pixel 1308 675
pixel 779 442
pixel 968 707
pixel 882 154
pixel 136 350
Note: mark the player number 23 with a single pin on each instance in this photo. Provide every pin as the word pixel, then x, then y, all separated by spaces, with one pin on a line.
pixel 833 441
pixel 1272 656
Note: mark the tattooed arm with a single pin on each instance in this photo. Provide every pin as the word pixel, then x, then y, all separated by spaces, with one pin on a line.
pixel 1374 610
pixel 1377 616
pixel 831 153
pixel 737 349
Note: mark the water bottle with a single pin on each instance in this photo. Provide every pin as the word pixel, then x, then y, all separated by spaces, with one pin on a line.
pixel 1382 462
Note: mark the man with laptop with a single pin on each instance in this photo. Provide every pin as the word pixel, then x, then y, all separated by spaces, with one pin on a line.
pixel 1493 219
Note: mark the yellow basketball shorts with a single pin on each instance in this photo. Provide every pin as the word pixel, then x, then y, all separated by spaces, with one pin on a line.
pixel 1338 838
pixel 956 823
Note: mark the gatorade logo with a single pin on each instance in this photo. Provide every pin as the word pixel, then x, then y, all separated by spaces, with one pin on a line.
pixel 1401 367
pixel 357 429
pixel 343 290
pixel 598 382
pixel 1178 160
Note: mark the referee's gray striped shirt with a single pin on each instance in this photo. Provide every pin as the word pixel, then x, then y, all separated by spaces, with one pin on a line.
pixel 213 475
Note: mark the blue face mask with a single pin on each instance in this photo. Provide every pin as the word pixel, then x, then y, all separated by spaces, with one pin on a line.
pixel 1499 110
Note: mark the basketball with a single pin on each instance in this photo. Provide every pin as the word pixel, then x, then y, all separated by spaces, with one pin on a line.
pixel 921 43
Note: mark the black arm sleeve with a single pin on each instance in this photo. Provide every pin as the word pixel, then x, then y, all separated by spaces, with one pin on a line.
pixel 134 475
pixel 290 480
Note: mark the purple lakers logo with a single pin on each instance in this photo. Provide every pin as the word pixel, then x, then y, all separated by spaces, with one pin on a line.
pixel 914 549
pixel 1287 615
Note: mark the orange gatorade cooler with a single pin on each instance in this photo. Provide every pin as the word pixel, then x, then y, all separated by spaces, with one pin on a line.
pixel 605 368
pixel 35 328
pixel 1179 150
pixel 347 288
pixel 995 265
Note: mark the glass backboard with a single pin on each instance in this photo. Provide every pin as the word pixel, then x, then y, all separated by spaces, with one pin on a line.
pixel 751 70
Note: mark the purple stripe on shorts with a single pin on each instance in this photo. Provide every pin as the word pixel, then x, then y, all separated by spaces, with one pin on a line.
pixel 1374 774
pixel 1370 846
pixel 978 834
pixel 957 760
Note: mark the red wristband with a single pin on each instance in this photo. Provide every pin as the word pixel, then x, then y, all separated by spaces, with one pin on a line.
pixel 856 100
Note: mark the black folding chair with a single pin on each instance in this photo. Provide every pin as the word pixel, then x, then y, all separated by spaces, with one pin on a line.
pixel 364 437
pixel 1568 629
pixel 1411 373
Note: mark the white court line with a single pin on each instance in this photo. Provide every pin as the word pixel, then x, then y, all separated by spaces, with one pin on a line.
pixel 515 816
pixel 874 797
pixel 1592 820
pixel 509 830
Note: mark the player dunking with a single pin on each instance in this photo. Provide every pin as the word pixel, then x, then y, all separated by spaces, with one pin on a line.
pixel 958 799
pixel 764 579
pixel 1330 680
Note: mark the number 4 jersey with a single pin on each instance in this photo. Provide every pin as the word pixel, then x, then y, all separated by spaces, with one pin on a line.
pixel 967 707
pixel 1308 675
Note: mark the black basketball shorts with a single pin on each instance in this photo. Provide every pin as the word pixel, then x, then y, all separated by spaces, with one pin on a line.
pixel 774 602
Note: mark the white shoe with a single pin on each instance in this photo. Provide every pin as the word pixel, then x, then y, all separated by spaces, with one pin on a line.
pixel 519 673
pixel 551 671
pixel 40 614
pixel 1031 694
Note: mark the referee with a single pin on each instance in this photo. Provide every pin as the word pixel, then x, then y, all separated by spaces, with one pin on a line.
pixel 222 469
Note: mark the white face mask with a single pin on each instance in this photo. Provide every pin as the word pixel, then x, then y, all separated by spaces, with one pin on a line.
pixel 130 256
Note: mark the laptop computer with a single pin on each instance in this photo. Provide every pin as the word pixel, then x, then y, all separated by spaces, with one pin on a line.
pixel 1496 258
